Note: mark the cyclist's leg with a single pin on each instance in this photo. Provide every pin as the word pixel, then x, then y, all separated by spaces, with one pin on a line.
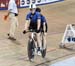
pixel 31 38
pixel 39 40
pixel 31 47
pixel 34 28
pixel 45 28
pixel 35 40
pixel 39 43
pixel 44 41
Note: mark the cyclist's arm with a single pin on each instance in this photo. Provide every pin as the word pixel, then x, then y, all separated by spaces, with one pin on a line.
pixel 45 27
pixel 38 24
pixel 27 24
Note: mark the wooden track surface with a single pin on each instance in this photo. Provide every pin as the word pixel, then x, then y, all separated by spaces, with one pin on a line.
pixel 58 15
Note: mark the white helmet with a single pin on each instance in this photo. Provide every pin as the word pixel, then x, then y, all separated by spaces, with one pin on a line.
pixel 12 0
pixel 32 6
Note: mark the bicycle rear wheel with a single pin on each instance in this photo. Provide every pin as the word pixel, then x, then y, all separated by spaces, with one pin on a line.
pixel 43 53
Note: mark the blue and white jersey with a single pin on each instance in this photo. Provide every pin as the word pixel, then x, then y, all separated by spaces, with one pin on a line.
pixel 33 17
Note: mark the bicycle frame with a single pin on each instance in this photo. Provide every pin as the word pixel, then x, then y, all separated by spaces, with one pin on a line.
pixel 33 36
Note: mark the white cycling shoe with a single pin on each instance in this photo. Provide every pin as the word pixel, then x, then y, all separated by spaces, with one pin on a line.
pixel 35 52
pixel 39 53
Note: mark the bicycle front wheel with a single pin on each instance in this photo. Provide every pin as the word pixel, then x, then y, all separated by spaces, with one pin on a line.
pixel 30 49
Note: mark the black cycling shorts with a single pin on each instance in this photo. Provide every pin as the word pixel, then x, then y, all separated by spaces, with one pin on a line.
pixel 33 27
pixel 42 28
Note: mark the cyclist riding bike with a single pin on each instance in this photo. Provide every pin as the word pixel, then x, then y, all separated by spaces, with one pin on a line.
pixel 44 29
pixel 33 22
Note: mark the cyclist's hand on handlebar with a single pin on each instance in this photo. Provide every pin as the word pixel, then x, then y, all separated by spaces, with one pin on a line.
pixel 24 31
pixel 38 31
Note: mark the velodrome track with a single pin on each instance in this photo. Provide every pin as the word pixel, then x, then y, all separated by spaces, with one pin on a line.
pixel 58 15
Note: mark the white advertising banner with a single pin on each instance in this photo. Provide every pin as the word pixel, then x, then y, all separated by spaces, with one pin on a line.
pixel 24 3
